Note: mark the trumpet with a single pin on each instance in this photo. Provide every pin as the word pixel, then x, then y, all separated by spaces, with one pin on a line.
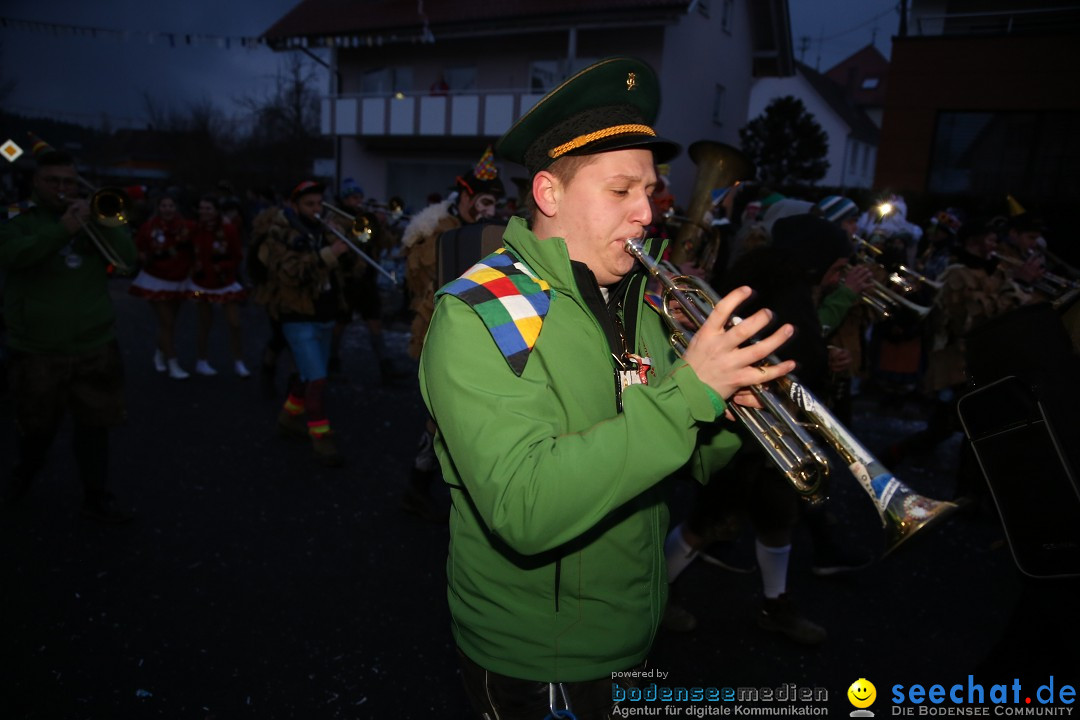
pixel 884 299
pixel 352 245
pixel 786 438
pixel 107 206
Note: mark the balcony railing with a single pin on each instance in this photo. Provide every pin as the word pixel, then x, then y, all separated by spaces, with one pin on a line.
pixel 465 113
pixel 1048 19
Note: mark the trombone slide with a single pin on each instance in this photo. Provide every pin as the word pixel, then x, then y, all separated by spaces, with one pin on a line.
pixel 352 246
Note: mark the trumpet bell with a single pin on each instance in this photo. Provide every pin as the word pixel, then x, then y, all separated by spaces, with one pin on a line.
pixel 907 512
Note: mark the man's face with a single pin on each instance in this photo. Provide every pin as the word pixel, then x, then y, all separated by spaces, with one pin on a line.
pixel 55 185
pixel 1025 241
pixel 834 273
pixel 474 208
pixel 308 206
pixel 354 201
pixel 606 201
pixel 850 225
pixel 982 245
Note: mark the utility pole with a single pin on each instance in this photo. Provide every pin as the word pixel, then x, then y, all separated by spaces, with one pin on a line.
pixel 903 18
pixel 804 45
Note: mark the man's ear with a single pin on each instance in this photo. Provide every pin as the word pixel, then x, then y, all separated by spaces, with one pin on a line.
pixel 546 192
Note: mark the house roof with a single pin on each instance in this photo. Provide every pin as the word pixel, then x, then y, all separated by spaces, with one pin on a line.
pixel 862 127
pixel 361 22
pixel 863 75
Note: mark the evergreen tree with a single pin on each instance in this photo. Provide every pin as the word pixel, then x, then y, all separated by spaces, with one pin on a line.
pixel 786 143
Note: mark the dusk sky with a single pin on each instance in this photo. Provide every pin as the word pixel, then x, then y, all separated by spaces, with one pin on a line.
pixel 80 78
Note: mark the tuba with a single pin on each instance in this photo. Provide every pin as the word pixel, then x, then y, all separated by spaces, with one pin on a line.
pixel 718 165
pixel 791 419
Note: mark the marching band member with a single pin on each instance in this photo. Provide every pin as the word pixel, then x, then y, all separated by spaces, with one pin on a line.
pixel 561 409
pixel 166 256
pixel 474 200
pixel 61 332
pixel 303 291
pixel 218 253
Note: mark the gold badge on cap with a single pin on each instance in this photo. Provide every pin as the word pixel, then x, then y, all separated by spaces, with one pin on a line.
pixel 631 81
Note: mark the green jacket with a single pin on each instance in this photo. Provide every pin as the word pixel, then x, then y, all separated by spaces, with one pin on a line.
pixel 56 295
pixel 556 568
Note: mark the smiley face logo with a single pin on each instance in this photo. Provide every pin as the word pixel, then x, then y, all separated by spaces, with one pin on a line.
pixel 862 693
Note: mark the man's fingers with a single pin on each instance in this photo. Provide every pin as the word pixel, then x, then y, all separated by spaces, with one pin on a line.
pixel 749 327
pixel 723 310
pixel 760 350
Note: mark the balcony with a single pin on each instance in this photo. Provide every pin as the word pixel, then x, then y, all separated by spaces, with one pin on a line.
pixel 1028 20
pixel 468 113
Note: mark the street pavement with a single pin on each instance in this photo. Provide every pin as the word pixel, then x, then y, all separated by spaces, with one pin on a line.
pixel 256 584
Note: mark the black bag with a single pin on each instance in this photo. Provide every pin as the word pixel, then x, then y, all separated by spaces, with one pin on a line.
pixel 461 248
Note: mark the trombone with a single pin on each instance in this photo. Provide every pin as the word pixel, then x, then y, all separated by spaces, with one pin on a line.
pixel 787 439
pixel 107 206
pixel 361 230
pixel 1052 285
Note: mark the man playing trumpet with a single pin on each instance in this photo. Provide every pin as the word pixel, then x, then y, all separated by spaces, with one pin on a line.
pixel 561 409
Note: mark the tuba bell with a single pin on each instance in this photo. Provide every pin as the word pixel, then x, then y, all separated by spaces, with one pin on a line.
pixel 718 165
pixel 791 420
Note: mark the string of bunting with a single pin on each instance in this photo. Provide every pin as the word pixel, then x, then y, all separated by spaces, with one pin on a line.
pixel 173 39
pixel 226 42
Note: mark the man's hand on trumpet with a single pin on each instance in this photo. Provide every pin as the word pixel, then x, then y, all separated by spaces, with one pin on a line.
pixel 719 361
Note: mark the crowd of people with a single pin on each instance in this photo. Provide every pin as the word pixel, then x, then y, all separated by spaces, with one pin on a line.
pixel 562 550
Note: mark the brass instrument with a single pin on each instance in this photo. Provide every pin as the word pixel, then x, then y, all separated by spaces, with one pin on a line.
pixel 718 165
pixel 1054 286
pixel 364 227
pixel 785 438
pixel 352 245
pixel 883 299
pixel 107 206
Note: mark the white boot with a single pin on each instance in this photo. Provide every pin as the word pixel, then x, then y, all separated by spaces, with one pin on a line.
pixel 159 361
pixel 175 371
pixel 203 368
pixel 241 369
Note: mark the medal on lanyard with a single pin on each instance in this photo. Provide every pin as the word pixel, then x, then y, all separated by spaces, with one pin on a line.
pixel 71 258
pixel 635 370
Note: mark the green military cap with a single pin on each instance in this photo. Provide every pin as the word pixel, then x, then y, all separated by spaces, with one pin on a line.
pixel 610 105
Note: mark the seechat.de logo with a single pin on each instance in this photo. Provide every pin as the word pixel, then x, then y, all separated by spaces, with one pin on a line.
pixel 862 695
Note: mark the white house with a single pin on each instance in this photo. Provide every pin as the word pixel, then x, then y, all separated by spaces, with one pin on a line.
pixel 853 135
pixel 421 89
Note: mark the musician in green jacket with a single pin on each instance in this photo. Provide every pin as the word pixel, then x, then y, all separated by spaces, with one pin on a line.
pixel 61 331
pixel 561 409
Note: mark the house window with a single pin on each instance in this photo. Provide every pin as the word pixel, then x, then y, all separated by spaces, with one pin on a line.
pixel 726 11
pixel 718 105
pixel 870 83
pixel 993 153
pixel 387 81
pixel 855 148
